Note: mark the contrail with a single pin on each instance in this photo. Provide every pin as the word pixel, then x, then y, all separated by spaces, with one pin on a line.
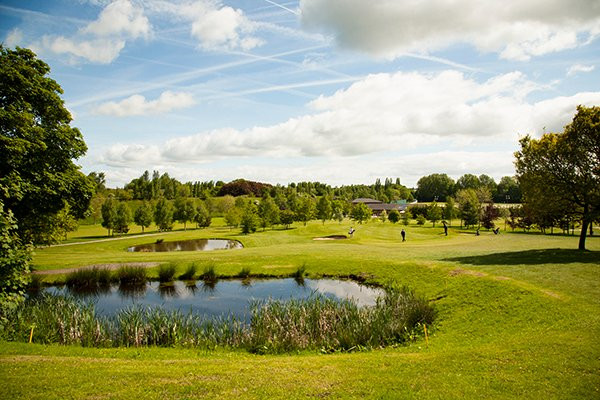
pixel 283 7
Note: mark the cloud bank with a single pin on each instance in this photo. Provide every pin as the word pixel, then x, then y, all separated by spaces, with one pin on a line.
pixel 138 105
pixel 517 30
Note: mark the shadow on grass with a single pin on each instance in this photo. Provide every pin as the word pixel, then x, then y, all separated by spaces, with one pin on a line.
pixel 531 257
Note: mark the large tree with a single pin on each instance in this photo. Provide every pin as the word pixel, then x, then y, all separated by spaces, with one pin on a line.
pixel 565 167
pixel 434 186
pixel 38 177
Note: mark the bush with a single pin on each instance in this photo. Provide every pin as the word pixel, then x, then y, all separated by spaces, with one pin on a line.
pixel 189 273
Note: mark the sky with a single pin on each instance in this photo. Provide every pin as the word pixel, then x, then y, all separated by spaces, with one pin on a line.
pixel 336 91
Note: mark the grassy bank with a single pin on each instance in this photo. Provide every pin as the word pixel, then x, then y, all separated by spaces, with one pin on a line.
pixel 518 317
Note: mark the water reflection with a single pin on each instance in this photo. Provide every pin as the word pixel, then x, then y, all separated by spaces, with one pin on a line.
pixel 219 298
pixel 188 245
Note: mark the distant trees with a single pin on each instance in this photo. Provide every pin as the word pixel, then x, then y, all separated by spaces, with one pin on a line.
pixel 564 169
pixel 163 215
pixel 361 213
pixel 249 221
pixel 305 209
pixel 468 207
pixel 434 213
pixel 324 209
pixel 268 212
pixel 143 215
pixel 286 218
pixel 202 216
pixel 122 218
pixel 109 214
pixel 185 211
pixel 394 216
pixel 434 187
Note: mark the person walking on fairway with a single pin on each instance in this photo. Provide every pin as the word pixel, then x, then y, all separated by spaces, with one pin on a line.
pixel 403 233
pixel 445 228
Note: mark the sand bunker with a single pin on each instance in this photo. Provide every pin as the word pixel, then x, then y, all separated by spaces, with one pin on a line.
pixel 332 237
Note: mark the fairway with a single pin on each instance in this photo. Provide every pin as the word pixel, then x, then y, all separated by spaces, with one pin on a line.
pixel 518 317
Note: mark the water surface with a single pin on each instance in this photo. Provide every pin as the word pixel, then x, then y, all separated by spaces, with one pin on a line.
pixel 223 297
pixel 188 245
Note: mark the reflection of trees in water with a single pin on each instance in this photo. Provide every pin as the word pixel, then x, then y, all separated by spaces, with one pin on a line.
pixel 246 282
pixel 209 285
pixel 299 280
pixel 88 291
pixel 167 290
pixel 191 287
pixel 132 291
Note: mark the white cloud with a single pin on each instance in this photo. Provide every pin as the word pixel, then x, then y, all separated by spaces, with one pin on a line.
pixel 576 68
pixel 215 26
pixel 102 40
pixel 120 18
pixel 101 51
pixel 385 112
pixel 138 105
pixel 14 38
pixel 515 29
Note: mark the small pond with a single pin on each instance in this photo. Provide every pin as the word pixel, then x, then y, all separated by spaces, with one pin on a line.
pixel 221 298
pixel 188 245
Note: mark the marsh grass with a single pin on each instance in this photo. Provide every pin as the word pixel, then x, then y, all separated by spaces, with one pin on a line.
pixel 131 276
pixel 244 273
pixel 210 274
pixel 316 323
pixel 166 272
pixel 189 273
pixel 35 282
pixel 89 279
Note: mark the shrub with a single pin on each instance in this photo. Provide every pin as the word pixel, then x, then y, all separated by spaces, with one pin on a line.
pixel 189 273
pixel 131 276
pixel 244 273
pixel 210 274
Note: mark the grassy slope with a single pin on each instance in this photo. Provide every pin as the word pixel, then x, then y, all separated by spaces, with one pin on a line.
pixel 519 318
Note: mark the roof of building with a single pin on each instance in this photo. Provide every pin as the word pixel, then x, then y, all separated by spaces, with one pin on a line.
pixel 366 201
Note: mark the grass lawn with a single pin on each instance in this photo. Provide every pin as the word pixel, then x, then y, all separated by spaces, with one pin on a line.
pixel 519 317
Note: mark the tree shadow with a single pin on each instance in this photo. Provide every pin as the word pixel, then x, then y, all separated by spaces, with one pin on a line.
pixel 532 257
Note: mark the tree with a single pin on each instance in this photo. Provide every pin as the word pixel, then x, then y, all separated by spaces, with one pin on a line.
pixel 185 211
pixel 249 220
pixel 468 206
pixel 109 214
pixel 123 218
pixel 66 222
pixel 143 215
pixel 406 218
pixel 202 216
pixel 268 212
pixel 233 217
pixel 421 220
pixel 384 216
pixel 361 213
pixel 565 167
pixel 286 217
pixel 14 262
pixel 508 190
pixel 324 209
pixel 305 209
pixel 394 216
pixel 449 210
pixel 163 215
pixel 434 213
pixel 467 181
pixel 39 177
pixel 489 215
pixel 435 185
pixel 337 210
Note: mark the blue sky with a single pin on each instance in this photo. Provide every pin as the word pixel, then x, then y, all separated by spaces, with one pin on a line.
pixel 339 91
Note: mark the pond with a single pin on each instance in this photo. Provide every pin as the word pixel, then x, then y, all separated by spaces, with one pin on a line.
pixel 221 298
pixel 188 245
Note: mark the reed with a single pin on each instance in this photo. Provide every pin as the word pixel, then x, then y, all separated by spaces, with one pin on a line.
pixel 90 278
pixel 166 272
pixel 210 274
pixel 131 276
pixel 189 273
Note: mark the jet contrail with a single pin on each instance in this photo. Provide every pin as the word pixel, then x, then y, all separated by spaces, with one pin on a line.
pixel 283 7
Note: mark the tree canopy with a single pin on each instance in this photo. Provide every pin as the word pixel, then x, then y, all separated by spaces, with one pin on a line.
pixel 39 177
pixel 564 168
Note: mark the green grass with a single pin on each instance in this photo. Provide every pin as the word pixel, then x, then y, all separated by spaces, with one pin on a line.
pixel 518 317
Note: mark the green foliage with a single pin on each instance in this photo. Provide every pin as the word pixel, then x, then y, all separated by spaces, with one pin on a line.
pixel 14 263
pixel 287 217
pixel 421 219
pixel 233 217
pixel 89 278
pixel 305 210
pixel 143 215
pixel 189 273
pixel 166 272
pixel 131 276
pixel 123 218
pixel 324 209
pixel 244 272
pixel 185 211
pixel 202 217
pixel 434 213
pixel 384 216
pixel 39 177
pixel 489 215
pixel 468 206
pixel 564 170
pixel 163 215
pixel 434 186
pixel 449 210
pixel 268 212
pixel 338 210
pixel 210 274
pixel 394 216
pixel 250 220
pixel 109 214
pixel 406 218
pixel 361 213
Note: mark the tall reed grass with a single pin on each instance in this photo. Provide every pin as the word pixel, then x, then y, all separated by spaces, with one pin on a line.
pixel 189 273
pixel 316 323
pixel 131 276
pixel 166 272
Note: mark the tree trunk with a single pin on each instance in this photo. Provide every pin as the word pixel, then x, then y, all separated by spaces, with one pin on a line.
pixel 584 228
